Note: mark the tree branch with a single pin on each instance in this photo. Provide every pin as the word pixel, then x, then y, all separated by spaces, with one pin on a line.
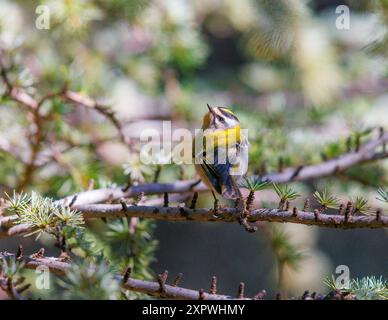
pixel 110 211
pixel 33 105
pixel 83 199
pixel 114 211
pixel 365 154
pixel 58 267
pixel 158 288
pixel 83 100
pixel 9 226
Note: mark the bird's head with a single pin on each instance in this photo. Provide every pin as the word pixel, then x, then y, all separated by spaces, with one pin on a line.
pixel 219 118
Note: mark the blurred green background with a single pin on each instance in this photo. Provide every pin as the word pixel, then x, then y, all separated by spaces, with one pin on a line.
pixel 297 82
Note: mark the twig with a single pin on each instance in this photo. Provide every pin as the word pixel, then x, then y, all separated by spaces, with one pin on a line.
pixel 241 291
pixel 177 279
pixel 36 138
pixel 193 203
pixel 83 100
pixel 213 285
pixel 14 93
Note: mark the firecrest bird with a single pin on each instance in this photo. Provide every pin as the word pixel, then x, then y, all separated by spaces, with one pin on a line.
pixel 217 152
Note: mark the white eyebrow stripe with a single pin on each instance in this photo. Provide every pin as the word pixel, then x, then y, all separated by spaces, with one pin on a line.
pixel 227 114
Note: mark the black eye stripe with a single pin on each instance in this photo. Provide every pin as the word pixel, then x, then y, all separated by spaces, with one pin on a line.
pixel 227 114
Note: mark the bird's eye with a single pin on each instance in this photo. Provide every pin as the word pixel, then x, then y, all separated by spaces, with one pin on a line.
pixel 221 119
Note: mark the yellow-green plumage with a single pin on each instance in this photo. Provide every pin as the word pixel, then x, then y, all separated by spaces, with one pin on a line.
pixel 222 134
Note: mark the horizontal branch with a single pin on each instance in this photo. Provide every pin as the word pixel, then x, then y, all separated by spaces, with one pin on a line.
pixel 114 211
pixel 110 211
pixel 171 292
pixel 9 226
pixel 106 194
pixel 152 288
pixel 14 230
pixel 153 210
pixel 366 153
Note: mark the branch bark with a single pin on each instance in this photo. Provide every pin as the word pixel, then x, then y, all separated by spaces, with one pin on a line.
pixel 109 211
pixel 114 211
pixel 9 226
pixel 58 267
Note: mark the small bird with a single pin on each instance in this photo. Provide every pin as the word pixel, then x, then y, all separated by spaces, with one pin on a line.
pixel 217 152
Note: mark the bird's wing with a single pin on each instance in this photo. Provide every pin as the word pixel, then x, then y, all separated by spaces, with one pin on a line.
pixel 218 171
pixel 217 163
pixel 213 176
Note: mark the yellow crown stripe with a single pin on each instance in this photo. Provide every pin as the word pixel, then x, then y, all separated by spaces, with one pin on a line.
pixel 227 110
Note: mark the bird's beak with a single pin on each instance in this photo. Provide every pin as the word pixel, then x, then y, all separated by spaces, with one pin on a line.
pixel 213 118
pixel 210 109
